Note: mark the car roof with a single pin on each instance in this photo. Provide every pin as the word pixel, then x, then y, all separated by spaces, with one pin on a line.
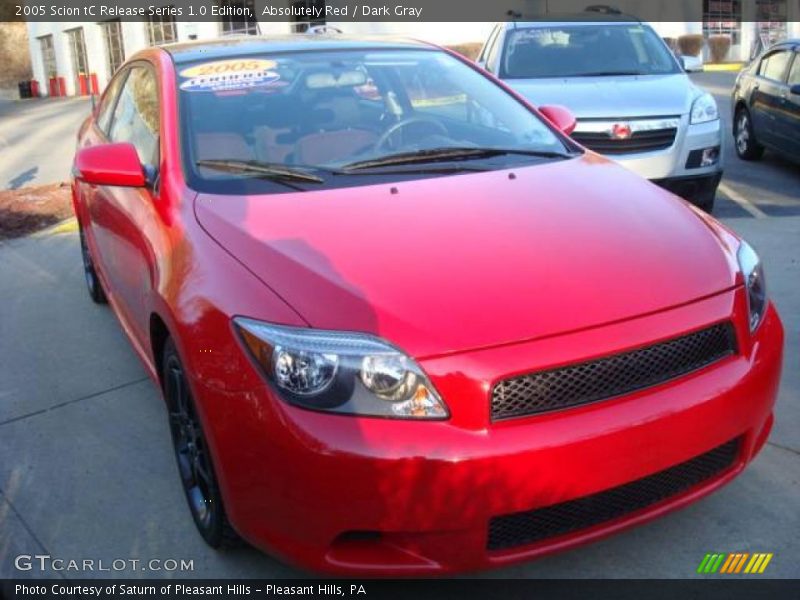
pixel 556 20
pixel 233 46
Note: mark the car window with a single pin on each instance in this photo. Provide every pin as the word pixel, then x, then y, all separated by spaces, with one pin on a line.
pixel 322 111
pixel 773 66
pixel 106 107
pixel 491 56
pixel 489 44
pixel 794 73
pixel 136 116
pixel 585 50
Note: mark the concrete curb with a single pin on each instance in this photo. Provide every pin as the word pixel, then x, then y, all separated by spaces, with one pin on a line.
pixel 723 67
pixel 69 225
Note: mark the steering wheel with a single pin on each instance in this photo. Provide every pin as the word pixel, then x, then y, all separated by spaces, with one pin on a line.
pixel 387 135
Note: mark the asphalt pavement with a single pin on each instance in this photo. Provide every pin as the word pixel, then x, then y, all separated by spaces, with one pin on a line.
pixel 87 471
pixel 37 140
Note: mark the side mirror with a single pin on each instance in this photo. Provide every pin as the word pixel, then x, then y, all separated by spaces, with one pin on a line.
pixel 560 116
pixel 110 164
pixel 795 89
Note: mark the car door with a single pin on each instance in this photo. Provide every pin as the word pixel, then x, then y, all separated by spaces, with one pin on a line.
pixel 124 217
pixel 765 95
pixel 787 131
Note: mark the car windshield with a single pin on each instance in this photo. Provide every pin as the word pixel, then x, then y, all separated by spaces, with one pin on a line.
pixel 585 50
pixel 308 120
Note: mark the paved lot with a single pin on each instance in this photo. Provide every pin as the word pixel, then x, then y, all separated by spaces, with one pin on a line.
pixel 37 140
pixel 86 468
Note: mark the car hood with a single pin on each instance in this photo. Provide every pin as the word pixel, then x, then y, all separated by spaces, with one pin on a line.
pixel 459 262
pixel 612 97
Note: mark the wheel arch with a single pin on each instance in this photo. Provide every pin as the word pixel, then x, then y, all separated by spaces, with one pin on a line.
pixel 159 333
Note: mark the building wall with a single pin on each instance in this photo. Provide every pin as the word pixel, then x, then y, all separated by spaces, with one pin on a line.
pixel 135 34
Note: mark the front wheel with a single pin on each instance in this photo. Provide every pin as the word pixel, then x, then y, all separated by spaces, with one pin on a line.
pixel 93 285
pixel 193 456
pixel 747 148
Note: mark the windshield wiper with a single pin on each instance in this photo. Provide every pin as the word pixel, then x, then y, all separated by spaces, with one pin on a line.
pixel 446 154
pixel 275 171
pixel 607 74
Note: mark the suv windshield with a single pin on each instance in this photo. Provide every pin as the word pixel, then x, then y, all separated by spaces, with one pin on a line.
pixel 585 50
pixel 310 120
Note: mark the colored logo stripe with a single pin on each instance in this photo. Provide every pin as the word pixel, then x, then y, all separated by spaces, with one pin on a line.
pixel 734 562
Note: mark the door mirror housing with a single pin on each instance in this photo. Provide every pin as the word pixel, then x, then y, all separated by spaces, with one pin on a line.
pixel 110 164
pixel 560 116
pixel 795 89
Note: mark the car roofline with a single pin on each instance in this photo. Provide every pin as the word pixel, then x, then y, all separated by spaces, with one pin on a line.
pixel 228 47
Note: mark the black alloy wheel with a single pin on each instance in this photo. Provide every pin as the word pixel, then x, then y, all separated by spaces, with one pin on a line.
pixel 747 147
pixel 193 456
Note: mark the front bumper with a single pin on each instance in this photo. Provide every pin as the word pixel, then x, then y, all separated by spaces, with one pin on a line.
pixel 692 187
pixel 672 162
pixel 366 495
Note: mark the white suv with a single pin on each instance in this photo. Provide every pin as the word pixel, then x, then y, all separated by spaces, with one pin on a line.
pixel 631 97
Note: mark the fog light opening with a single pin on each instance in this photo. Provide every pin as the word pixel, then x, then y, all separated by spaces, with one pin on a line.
pixel 709 157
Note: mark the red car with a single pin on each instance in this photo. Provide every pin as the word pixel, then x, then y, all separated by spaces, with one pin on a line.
pixel 401 322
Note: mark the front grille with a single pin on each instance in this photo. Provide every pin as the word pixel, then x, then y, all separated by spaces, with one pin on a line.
pixel 639 141
pixel 519 529
pixel 611 376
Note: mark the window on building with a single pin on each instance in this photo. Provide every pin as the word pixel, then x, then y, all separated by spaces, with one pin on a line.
pixel 136 118
pixel 115 48
pixel 161 29
pixel 239 16
pixel 723 17
pixel 771 16
pixel 80 61
pixel 773 66
pixel 305 6
pixel 48 56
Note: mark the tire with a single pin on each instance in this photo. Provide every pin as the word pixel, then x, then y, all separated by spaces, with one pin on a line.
pixel 195 468
pixel 744 138
pixel 93 285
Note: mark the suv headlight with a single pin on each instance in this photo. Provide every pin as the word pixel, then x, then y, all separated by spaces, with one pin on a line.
pixel 350 373
pixel 753 273
pixel 704 109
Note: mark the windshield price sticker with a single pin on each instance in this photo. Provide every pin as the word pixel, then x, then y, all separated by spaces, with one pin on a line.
pixel 228 75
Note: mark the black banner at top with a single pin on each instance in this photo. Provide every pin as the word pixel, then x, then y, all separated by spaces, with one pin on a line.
pixel 320 11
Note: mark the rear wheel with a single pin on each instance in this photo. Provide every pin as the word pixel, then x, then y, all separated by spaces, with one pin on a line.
pixel 193 456
pixel 93 285
pixel 747 147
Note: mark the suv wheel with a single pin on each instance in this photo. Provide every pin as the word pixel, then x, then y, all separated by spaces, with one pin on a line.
pixel 747 148
pixel 193 456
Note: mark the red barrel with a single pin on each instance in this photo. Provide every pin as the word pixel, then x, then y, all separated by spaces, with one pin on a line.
pixel 34 88
pixel 83 84
pixel 62 86
pixel 53 87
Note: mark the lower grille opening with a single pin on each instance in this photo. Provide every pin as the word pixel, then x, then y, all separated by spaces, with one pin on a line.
pixel 519 529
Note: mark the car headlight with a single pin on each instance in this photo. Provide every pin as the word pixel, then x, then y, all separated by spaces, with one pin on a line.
pixel 350 373
pixel 753 273
pixel 704 109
